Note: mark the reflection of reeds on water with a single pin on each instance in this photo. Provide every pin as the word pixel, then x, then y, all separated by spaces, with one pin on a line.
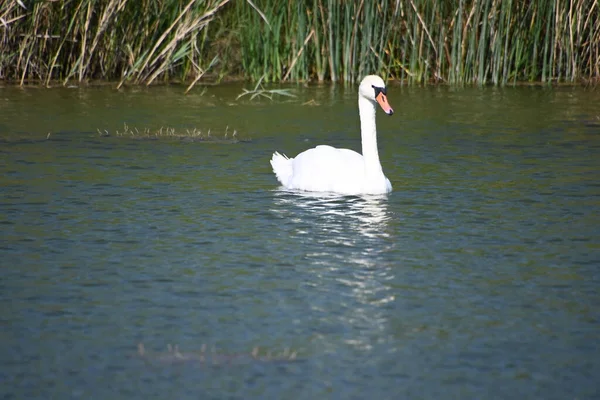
pixel 193 135
pixel 211 357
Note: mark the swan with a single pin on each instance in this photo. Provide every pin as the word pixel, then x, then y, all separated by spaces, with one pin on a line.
pixel 329 169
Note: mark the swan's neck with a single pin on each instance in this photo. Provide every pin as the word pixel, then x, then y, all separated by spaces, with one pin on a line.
pixel 368 132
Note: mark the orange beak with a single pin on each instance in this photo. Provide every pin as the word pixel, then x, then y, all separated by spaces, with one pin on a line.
pixel 385 106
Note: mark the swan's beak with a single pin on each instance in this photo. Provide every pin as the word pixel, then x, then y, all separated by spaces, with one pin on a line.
pixel 385 106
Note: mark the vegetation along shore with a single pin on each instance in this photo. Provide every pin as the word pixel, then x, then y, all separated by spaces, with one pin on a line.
pixel 418 41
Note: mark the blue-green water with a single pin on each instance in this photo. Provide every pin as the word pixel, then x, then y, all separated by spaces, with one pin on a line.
pixel 478 277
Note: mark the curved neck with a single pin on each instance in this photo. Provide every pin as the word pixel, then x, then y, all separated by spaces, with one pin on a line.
pixel 368 131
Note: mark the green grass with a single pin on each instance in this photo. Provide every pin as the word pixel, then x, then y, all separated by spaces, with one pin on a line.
pixel 193 135
pixel 417 41
pixel 211 356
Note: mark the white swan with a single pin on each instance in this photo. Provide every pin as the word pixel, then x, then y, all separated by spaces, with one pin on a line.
pixel 327 169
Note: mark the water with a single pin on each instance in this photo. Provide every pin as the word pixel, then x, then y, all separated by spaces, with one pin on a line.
pixel 478 277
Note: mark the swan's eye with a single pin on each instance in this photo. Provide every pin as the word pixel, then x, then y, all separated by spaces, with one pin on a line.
pixel 379 90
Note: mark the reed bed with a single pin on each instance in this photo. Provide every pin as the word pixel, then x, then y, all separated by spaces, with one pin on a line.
pixel 124 40
pixel 416 41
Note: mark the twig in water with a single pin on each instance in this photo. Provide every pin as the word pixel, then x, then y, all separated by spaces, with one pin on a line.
pixel 259 90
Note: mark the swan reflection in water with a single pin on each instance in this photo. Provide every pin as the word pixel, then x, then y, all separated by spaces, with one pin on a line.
pixel 365 215
pixel 348 255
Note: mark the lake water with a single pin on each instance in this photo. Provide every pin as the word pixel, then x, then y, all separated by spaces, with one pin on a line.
pixel 477 277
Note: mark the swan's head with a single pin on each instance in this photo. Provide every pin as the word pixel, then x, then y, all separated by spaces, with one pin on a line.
pixel 372 88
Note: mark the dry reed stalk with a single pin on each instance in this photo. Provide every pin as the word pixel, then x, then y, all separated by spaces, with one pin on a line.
pixel 312 32
pixel 201 73
pixel 157 44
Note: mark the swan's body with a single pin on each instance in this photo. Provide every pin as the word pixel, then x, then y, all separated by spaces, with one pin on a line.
pixel 328 169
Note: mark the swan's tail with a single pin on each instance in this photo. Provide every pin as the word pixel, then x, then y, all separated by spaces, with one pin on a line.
pixel 282 166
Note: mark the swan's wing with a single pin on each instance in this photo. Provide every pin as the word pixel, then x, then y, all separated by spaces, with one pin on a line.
pixel 326 168
pixel 282 167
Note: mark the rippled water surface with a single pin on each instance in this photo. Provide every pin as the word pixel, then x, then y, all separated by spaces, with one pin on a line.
pixel 478 277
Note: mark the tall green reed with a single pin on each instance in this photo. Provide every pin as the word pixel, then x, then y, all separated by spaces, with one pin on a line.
pixel 458 42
